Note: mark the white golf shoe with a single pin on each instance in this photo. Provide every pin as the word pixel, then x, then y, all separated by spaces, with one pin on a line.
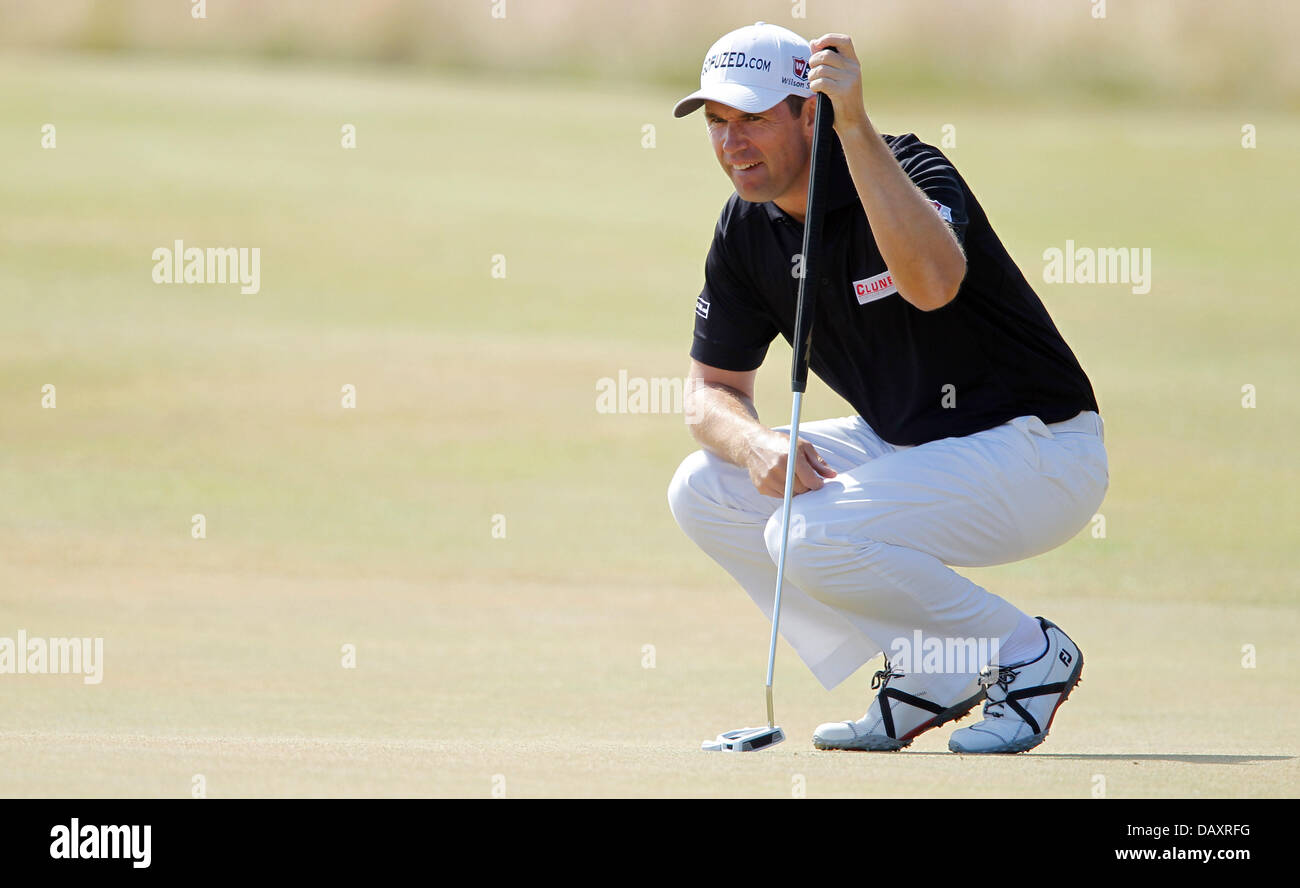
pixel 1022 698
pixel 902 711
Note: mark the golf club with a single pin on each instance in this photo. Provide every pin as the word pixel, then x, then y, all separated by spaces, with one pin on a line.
pixel 751 739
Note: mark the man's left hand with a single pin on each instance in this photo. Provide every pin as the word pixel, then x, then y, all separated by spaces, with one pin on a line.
pixel 839 76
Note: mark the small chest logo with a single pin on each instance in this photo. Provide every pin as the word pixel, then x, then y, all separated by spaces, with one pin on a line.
pixel 944 212
pixel 874 288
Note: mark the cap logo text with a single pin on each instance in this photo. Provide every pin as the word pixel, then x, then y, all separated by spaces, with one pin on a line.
pixel 735 60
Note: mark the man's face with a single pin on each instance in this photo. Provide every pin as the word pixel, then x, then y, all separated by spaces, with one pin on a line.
pixel 776 143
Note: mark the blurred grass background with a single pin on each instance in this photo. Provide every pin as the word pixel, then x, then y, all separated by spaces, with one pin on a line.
pixel 523 137
pixel 1197 51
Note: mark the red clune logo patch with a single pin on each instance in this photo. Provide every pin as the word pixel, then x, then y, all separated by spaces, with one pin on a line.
pixel 874 288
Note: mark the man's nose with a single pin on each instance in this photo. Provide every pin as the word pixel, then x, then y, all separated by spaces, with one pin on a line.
pixel 733 138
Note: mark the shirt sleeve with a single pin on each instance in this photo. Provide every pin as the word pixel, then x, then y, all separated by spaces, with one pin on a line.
pixel 930 171
pixel 732 329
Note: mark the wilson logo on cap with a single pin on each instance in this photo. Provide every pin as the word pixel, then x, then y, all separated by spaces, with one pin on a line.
pixel 800 68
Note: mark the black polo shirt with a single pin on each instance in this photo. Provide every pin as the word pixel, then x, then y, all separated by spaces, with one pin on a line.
pixel 994 343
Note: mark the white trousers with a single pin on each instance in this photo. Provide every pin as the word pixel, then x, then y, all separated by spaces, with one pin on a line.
pixel 868 554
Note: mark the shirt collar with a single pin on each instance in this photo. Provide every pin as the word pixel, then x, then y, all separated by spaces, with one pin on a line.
pixel 843 192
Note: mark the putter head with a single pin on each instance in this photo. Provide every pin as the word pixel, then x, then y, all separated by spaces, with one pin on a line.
pixel 744 740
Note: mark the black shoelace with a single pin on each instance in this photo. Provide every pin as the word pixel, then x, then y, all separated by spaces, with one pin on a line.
pixel 882 677
pixel 1000 677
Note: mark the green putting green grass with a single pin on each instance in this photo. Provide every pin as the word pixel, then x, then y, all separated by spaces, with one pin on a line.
pixel 585 647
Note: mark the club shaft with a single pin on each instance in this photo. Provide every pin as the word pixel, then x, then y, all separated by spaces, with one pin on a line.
pixel 823 133
pixel 785 542
pixel 814 214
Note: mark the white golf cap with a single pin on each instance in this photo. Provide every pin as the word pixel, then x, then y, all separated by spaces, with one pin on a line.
pixel 752 69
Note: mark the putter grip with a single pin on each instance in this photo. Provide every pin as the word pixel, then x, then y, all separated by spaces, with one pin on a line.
pixel 810 281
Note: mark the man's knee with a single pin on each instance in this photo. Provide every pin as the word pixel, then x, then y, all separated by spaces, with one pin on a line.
pixel 802 555
pixel 812 553
pixel 684 495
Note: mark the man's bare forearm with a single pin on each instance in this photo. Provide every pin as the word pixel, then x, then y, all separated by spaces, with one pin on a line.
pixel 918 247
pixel 726 421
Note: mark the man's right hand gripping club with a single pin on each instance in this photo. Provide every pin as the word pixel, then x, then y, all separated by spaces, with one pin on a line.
pixel 722 418
pixel 769 450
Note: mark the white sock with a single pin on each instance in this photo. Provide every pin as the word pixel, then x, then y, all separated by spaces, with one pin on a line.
pixel 1026 642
